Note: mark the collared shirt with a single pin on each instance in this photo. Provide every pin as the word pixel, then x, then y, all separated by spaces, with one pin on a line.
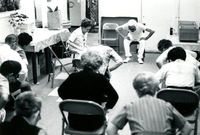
pixel 6 53
pixel 189 58
pixel 137 34
pixel 149 114
pixel 179 73
pixel 78 37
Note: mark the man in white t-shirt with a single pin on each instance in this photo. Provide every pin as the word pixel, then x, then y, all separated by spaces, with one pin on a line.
pixel 135 33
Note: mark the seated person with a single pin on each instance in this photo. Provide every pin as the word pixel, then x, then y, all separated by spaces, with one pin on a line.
pixel 135 33
pixel 178 72
pixel 148 114
pixel 4 96
pixel 12 40
pixel 6 53
pixel 78 38
pixel 108 54
pixel 88 84
pixel 28 107
pixel 165 46
pixel 10 70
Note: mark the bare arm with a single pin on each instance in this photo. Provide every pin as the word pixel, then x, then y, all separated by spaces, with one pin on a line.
pixel 119 30
pixel 117 59
pixel 151 32
pixel 186 130
pixel 112 129
pixel 74 45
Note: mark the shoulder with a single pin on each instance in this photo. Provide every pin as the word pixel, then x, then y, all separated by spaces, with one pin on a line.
pixel 42 132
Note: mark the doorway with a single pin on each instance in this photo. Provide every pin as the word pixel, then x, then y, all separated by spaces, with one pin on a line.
pixel 92 12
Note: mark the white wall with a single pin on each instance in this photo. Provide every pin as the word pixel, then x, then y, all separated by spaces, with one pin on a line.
pixel 158 15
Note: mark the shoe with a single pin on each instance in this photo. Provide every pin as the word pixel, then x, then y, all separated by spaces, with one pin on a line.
pixel 127 59
pixel 140 61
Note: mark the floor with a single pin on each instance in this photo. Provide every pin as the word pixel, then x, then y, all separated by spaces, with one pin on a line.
pixel 121 80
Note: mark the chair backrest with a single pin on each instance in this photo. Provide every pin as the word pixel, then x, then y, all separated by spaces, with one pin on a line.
pixel 110 26
pixel 109 30
pixel 82 107
pixel 185 101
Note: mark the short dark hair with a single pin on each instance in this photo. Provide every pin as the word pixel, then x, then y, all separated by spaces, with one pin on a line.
pixel 24 39
pixel 86 23
pixel 176 53
pixel 10 66
pixel 164 44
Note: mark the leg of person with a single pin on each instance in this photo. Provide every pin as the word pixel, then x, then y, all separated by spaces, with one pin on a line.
pixel 141 51
pixel 127 50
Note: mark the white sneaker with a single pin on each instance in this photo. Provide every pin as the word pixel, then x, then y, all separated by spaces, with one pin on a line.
pixel 140 61
pixel 127 59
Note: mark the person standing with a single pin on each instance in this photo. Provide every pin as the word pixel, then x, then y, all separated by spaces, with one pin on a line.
pixel 135 33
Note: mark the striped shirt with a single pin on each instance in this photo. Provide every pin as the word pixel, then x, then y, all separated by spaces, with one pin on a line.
pixel 149 114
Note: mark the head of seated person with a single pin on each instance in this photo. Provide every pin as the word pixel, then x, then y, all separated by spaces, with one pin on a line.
pixel 10 69
pixel 28 105
pixel 86 25
pixel 145 83
pixel 164 44
pixel 24 39
pixel 91 59
pixel 12 41
pixel 176 53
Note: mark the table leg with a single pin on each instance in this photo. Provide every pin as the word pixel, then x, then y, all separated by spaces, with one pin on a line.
pixel 34 66
pixel 48 60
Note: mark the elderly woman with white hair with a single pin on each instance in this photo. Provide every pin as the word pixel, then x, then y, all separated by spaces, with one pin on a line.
pixel 148 113
pixel 88 84
pixel 135 33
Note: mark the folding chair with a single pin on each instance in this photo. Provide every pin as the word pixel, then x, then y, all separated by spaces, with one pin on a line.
pixel 185 101
pixel 81 107
pixel 109 36
pixel 60 61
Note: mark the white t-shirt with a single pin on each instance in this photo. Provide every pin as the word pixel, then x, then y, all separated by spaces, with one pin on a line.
pixel 138 33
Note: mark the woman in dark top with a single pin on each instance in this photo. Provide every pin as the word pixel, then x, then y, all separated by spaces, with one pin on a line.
pixel 88 84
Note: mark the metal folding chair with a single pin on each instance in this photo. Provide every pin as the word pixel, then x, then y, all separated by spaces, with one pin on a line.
pixel 81 107
pixel 185 101
pixel 109 36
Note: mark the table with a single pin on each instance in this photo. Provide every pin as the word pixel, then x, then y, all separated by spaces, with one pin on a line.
pixel 186 45
pixel 42 38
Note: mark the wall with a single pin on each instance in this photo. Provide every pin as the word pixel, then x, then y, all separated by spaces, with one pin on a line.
pixel 27 7
pixel 156 14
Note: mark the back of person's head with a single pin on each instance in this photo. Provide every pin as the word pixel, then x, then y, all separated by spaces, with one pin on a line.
pixel 86 23
pixel 176 53
pixel 91 59
pixel 145 83
pixel 24 39
pixel 164 44
pixel 10 66
pixel 11 39
pixel 27 103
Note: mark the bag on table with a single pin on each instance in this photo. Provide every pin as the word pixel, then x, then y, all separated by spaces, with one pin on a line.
pixel 54 18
